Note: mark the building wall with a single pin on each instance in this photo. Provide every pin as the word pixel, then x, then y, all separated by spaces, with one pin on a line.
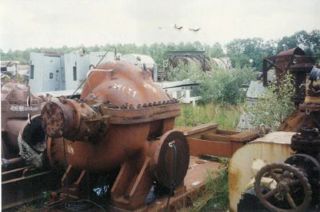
pixel 76 68
pixel 52 72
pixel 46 73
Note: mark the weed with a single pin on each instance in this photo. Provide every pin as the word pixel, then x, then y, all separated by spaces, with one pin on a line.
pixel 227 116
pixel 216 196
pixel 274 106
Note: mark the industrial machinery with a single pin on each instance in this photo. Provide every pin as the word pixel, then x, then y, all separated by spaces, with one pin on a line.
pixel 115 145
pixel 121 121
pixel 298 64
pixel 24 176
pixel 285 167
pixel 17 106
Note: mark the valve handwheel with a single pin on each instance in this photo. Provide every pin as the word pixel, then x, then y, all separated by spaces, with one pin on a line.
pixel 292 192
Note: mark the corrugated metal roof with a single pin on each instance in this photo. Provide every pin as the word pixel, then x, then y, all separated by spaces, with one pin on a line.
pixel 292 51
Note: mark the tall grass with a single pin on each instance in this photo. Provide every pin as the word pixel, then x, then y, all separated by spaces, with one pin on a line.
pixel 227 116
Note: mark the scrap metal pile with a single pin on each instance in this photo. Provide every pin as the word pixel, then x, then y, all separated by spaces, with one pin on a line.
pixel 298 178
pixel 121 121
pixel 114 146
pixel 294 184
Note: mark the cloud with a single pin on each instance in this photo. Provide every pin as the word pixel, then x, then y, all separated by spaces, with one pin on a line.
pixel 56 23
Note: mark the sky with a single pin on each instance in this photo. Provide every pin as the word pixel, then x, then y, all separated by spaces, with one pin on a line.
pixel 54 23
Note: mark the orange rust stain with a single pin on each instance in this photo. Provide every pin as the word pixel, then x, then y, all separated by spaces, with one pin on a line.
pixel 234 177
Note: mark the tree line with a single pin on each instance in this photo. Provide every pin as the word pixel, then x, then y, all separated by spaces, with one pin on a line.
pixel 242 52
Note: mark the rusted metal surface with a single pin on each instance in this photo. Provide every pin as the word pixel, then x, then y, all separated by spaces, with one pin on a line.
pixel 293 122
pixel 17 103
pixel 171 174
pixel 293 61
pixel 273 147
pixel 121 84
pixel 288 180
pixel 289 183
pixel 194 186
pixel 207 139
pixel 124 120
pixel 117 123
pixel 121 128
pixel 9 163
pixel 194 182
pixel 296 180
pixel 307 113
pixel 22 184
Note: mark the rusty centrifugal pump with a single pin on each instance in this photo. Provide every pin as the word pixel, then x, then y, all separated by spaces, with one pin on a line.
pixel 122 119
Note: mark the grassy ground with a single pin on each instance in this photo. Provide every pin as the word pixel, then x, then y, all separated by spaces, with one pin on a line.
pixel 227 116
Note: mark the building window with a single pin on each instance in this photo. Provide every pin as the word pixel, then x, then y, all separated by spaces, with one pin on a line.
pixel 51 76
pixel 32 72
pixel 74 73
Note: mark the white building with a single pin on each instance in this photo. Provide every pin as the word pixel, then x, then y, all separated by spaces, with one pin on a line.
pixel 78 63
pixel 55 72
pixel 46 72
pixel 76 67
pixel 181 90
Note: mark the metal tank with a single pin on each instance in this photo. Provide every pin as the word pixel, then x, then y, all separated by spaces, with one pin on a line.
pixel 122 119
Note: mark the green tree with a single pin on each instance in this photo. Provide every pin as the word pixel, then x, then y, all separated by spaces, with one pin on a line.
pixel 219 85
pixel 248 52
pixel 309 42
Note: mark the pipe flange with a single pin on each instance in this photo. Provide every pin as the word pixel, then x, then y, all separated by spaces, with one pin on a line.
pixel 171 159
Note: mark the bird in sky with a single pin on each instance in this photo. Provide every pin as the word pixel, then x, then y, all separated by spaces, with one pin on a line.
pixel 178 27
pixel 194 29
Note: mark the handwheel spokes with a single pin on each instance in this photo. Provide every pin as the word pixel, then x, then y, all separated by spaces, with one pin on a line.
pixel 274 176
pixel 287 178
pixel 270 193
pixel 290 200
